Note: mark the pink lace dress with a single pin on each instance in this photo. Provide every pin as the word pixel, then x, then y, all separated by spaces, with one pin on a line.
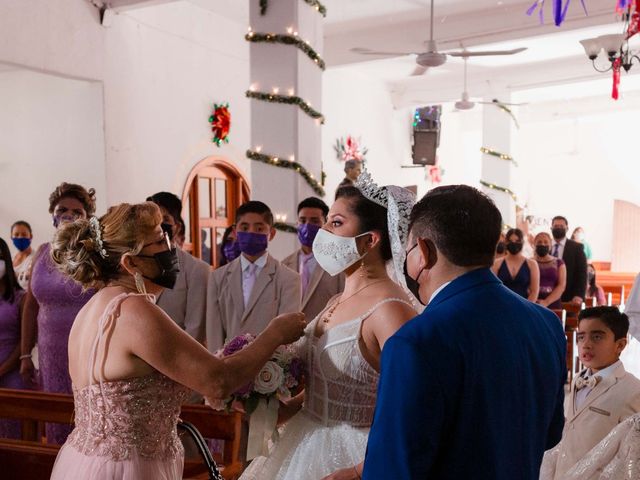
pixel 125 429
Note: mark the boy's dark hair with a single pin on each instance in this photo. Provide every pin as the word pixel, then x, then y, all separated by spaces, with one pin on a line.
pixel 22 223
pixel 463 223
pixel 170 202
pixel 560 217
pixel 515 231
pixel 613 318
pixel 255 206
pixel 314 202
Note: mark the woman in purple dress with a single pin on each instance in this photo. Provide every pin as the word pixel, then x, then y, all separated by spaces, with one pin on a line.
pixel 52 303
pixel 11 297
pixel 553 272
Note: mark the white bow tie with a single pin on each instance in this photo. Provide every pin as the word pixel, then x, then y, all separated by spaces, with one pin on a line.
pixel 590 381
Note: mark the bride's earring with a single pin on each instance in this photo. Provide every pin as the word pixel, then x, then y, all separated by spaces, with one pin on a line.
pixel 364 271
pixel 140 283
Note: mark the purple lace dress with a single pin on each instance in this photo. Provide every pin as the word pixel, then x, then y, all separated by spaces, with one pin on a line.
pixel 60 299
pixel 549 275
pixel 9 338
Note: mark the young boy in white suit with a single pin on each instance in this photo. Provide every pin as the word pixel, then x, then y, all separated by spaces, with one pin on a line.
pixel 602 395
pixel 245 294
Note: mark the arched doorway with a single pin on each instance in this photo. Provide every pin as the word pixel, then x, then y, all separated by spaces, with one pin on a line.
pixel 213 191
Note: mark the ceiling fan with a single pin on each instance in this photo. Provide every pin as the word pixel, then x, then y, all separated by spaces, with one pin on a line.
pixel 433 58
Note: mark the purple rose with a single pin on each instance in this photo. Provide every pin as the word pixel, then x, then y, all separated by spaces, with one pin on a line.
pixel 236 344
pixel 297 368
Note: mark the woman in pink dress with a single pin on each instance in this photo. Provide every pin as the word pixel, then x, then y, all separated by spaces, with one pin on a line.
pixel 130 364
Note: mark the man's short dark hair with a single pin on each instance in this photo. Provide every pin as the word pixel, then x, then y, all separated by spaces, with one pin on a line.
pixel 462 222
pixel 613 318
pixel 560 217
pixel 314 202
pixel 170 202
pixel 255 206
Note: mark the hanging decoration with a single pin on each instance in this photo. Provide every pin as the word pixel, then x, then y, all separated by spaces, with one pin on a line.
pixel 493 186
pixel 501 156
pixel 506 110
pixel 558 9
pixel 220 121
pixel 288 164
pixel 287 39
pixel 286 99
pixel 434 173
pixel 320 8
pixel 350 149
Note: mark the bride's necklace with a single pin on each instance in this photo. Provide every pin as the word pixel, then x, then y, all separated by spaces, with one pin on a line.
pixel 327 316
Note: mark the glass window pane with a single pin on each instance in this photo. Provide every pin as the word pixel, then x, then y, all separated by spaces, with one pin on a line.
pixel 205 237
pixel 204 197
pixel 219 234
pixel 221 198
pixel 187 221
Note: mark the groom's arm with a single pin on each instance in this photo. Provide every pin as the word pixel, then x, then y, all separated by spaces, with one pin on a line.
pixel 410 412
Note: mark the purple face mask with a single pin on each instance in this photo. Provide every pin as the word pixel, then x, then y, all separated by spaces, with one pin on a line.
pixel 252 243
pixel 59 219
pixel 231 250
pixel 307 233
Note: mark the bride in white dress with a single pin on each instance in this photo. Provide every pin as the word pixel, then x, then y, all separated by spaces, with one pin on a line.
pixel 342 344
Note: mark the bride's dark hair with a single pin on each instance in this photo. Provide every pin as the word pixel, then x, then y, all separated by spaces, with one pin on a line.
pixel 370 215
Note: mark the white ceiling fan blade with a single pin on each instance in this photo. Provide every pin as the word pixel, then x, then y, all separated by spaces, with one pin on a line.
pixel 465 53
pixel 367 51
pixel 419 70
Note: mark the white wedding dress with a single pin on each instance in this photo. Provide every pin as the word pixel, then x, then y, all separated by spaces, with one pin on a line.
pixel 331 430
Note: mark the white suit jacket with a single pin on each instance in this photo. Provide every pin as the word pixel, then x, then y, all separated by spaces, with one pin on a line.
pixel 610 402
pixel 276 291
pixel 322 287
pixel 186 303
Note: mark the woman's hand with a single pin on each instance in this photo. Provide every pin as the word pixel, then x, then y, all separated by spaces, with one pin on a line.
pixel 289 327
pixel 27 371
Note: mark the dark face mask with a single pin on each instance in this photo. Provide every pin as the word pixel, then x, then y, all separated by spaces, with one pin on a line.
pixel 412 283
pixel 169 266
pixel 558 233
pixel 542 250
pixel 514 247
pixel 500 248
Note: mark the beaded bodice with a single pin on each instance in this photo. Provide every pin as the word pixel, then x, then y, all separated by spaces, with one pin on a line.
pixel 341 385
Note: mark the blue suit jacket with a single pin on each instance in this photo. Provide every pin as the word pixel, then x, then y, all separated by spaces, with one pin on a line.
pixel 472 388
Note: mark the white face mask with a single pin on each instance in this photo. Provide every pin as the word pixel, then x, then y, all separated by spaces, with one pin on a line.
pixel 3 268
pixel 334 253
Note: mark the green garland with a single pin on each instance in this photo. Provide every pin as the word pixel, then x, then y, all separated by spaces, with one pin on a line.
pixel 493 186
pixel 287 99
pixel 285 227
pixel 502 156
pixel 320 8
pixel 287 39
pixel 289 164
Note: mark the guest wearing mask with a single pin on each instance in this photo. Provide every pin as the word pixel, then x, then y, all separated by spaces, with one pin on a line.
pixel 594 290
pixel 186 302
pixel 244 295
pixel 52 303
pixel 11 303
pixel 22 236
pixel 519 274
pixel 574 258
pixel 229 250
pixel 501 248
pixel 578 236
pixel 317 286
pixel 553 272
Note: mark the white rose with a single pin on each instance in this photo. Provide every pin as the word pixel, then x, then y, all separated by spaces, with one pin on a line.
pixel 282 355
pixel 269 379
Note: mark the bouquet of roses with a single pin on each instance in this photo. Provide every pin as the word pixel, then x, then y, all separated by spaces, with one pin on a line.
pixel 281 378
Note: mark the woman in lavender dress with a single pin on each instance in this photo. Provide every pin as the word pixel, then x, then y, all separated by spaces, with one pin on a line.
pixel 553 272
pixel 52 303
pixel 11 296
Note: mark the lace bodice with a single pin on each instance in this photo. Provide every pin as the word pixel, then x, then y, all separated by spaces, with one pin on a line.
pixel 341 385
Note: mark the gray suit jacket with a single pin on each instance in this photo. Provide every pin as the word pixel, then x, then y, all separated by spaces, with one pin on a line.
pixel 186 303
pixel 276 291
pixel 322 287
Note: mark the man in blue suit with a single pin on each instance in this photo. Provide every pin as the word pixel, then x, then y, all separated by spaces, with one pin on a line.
pixel 473 387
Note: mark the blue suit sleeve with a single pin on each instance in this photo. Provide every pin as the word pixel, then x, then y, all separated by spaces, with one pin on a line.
pixel 409 418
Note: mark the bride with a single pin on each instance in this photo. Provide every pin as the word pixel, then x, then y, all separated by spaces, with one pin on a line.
pixel 367 227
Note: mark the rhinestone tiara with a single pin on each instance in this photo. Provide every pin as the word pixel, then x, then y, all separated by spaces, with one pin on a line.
pixel 371 190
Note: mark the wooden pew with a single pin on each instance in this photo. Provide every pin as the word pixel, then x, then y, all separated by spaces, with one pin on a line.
pixel 31 459
pixel 616 283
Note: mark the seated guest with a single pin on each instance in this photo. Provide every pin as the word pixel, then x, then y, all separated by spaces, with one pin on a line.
pixel 553 272
pixel 602 395
pixel 573 256
pixel 228 246
pixel 11 303
pixel 22 236
pixel 594 290
pixel 578 237
pixel 244 295
pixel 317 287
pixel 186 302
pixel 352 170
pixel 519 274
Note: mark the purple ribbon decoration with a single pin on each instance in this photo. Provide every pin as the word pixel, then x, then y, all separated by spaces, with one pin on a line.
pixel 558 8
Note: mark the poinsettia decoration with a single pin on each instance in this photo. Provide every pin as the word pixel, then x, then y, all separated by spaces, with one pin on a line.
pixel 220 121
pixel 350 149
pixel 434 173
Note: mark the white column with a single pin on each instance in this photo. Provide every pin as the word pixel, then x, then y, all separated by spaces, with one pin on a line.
pixel 285 130
pixel 497 134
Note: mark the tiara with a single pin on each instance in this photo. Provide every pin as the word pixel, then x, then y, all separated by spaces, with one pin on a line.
pixel 94 224
pixel 371 190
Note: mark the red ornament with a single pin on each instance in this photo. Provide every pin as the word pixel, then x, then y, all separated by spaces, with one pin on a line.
pixel 616 78
pixel 220 121
pixel 434 173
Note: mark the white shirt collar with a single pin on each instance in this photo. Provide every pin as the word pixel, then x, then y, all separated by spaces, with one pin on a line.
pixel 260 262
pixel 561 242
pixel 605 372
pixel 438 290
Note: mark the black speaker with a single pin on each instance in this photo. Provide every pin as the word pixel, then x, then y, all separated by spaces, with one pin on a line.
pixel 426 134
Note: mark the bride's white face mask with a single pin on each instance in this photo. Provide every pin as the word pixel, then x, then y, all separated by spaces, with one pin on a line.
pixel 334 253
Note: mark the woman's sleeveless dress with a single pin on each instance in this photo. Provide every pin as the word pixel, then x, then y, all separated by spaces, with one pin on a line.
pixel 331 430
pixel 518 284
pixel 125 429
